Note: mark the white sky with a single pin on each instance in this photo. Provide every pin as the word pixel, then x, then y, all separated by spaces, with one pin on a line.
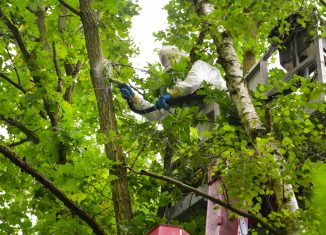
pixel 151 18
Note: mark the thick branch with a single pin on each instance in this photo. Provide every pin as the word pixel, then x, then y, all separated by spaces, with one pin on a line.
pixel 18 38
pixel 29 134
pixel 209 197
pixel 69 7
pixel 40 14
pixel 57 68
pixel 25 167
pixel 19 87
pixel 70 69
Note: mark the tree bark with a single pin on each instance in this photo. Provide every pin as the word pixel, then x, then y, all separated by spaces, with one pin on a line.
pixel 240 96
pixel 237 86
pixel 233 74
pixel 25 167
pixel 119 187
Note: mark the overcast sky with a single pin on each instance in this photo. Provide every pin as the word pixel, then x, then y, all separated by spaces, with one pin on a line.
pixel 151 18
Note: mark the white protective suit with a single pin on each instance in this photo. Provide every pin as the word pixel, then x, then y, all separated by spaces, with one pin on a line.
pixel 199 72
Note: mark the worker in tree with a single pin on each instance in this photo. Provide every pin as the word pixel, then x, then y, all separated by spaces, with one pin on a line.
pixel 199 72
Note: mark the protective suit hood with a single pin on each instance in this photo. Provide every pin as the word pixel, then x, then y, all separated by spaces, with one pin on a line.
pixel 170 55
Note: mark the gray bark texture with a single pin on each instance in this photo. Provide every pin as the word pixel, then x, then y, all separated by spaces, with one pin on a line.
pixel 239 94
pixel 233 74
pixel 119 187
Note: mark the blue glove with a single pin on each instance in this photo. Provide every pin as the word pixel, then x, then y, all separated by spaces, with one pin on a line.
pixel 126 91
pixel 162 101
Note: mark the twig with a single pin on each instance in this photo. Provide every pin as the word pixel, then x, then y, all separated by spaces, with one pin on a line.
pixel 25 167
pixel 13 65
pixel 19 142
pixel 140 151
pixel 69 7
pixel 225 192
pixel 100 212
pixel 139 69
pixel 323 2
pixel 209 197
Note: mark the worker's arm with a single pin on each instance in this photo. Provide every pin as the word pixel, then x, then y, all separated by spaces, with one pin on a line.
pixel 199 72
pixel 140 103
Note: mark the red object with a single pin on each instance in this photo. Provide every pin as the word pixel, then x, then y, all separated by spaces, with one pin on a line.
pixel 166 229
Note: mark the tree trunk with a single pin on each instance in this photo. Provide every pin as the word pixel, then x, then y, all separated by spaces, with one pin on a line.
pixel 239 94
pixel 233 74
pixel 119 187
pixel 236 84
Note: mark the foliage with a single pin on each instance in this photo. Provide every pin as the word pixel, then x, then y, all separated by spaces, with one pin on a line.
pixel 25 205
pixel 297 129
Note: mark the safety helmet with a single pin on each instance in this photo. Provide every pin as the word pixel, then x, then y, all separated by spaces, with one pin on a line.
pixel 170 55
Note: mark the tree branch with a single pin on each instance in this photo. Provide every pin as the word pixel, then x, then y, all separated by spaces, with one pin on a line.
pixel 19 40
pixel 40 14
pixel 72 71
pixel 201 37
pixel 19 142
pixel 29 8
pixel 140 151
pixel 25 167
pixel 207 196
pixel 57 68
pixel 13 65
pixel 248 8
pixel 19 87
pixel 139 69
pixel 69 7
pixel 29 134
pixel 32 66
